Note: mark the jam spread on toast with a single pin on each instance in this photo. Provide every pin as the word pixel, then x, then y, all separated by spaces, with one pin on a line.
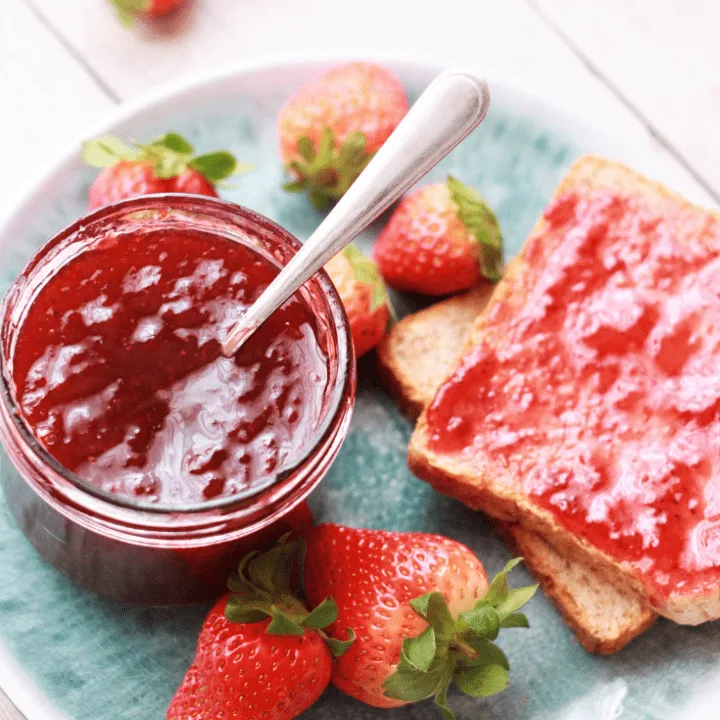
pixel 119 373
pixel 595 384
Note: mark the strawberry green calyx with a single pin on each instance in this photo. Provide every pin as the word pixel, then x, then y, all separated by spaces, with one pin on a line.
pixel 326 172
pixel 482 223
pixel 126 9
pixel 170 155
pixel 459 650
pixel 366 271
pixel 269 585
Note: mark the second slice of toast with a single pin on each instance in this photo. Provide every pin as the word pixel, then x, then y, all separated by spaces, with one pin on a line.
pixel 631 381
pixel 413 359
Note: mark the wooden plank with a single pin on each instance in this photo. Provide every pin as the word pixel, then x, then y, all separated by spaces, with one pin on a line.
pixel 47 96
pixel 507 35
pixel 663 58
pixel 7 710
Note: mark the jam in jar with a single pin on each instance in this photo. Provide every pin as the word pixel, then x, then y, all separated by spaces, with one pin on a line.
pixel 126 421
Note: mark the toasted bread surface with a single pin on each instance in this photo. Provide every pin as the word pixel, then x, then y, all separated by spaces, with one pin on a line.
pixel 417 353
pixel 485 488
pixel 414 358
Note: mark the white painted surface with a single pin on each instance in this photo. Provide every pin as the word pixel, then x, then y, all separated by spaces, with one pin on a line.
pixel 639 50
pixel 639 68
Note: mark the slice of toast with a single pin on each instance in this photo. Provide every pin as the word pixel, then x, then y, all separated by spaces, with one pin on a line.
pixel 474 477
pixel 413 359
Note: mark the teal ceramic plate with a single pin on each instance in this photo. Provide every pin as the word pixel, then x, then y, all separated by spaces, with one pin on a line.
pixel 65 653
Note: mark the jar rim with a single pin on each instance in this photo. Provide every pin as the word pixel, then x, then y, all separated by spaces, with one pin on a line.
pixel 211 207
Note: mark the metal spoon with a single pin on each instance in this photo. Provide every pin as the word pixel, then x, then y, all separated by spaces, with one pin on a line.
pixel 453 105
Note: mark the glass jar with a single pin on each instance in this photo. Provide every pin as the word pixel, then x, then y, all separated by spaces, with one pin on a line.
pixel 136 551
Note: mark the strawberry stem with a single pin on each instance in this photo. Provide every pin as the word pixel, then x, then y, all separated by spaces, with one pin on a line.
pixel 463 647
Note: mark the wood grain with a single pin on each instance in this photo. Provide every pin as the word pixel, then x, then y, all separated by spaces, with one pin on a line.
pixel 46 96
pixel 7 710
pixel 663 58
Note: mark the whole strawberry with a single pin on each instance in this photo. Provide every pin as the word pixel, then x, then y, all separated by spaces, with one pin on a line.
pixel 330 129
pixel 260 654
pixel 166 164
pixel 364 297
pixel 127 9
pixel 422 613
pixel 440 240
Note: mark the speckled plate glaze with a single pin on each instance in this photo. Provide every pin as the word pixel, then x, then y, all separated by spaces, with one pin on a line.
pixel 66 653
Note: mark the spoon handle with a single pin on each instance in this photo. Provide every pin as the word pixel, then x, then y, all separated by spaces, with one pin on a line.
pixel 453 105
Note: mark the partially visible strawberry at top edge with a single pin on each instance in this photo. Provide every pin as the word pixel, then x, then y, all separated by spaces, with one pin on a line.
pixel 330 129
pixel 127 9
pixel 166 164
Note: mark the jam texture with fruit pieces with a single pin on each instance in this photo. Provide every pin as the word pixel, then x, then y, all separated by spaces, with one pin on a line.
pixel 119 373
pixel 596 384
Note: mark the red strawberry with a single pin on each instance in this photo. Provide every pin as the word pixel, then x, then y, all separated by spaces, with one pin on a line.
pixel 422 612
pixel 166 164
pixel 126 179
pixel 332 126
pixel 127 9
pixel 194 182
pixel 261 654
pixel 364 297
pixel 440 240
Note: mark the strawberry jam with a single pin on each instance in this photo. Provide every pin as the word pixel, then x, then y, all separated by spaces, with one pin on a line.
pixel 596 385
pixel 118 370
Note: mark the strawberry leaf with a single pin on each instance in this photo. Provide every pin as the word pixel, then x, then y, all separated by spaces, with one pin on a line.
pixel 215 166
pixel 323 615
pixel 245 589
pixel 107 151
pixel 482 681
pixel 483 621
pixel 272 571
pixel 318 198
pixel 240 610
pixel 411 685
pixel 498 590
pixel 420 651
pixel 305 148
pixel 488 653
pixel 442 704
pixel 170 155
pixel 125 9
pixel 326 171
pixel 482 223
pixel 270 584
pixel 366 271
pixel 433 608
pixel 352 153
pixel 515 600
pixel 326 145
pixel 174 142
pixel 282 624
pixel 338 647
pixel 516 620
pixel 459 650
pixel 295 186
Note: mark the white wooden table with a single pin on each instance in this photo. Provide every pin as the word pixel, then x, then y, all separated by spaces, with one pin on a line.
pixel 648 70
